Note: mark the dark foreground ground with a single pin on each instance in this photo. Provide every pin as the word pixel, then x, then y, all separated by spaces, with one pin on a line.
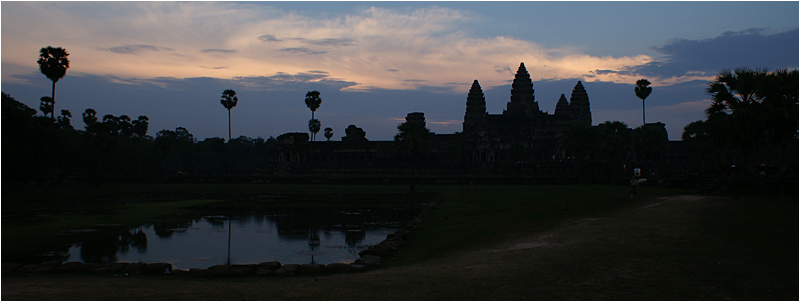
pixel 670 248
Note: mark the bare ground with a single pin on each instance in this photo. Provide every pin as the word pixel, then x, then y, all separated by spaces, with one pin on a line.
pixel 659 250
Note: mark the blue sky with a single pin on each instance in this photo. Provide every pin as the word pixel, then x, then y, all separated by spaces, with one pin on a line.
pixel 374 62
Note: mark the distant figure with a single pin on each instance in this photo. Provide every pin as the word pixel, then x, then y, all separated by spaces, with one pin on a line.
pixel 637 172
pixel 634 186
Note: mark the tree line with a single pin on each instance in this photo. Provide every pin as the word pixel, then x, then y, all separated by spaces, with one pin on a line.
pixel 40 148
pixel 753 116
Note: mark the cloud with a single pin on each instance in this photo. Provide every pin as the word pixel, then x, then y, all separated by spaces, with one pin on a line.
pixel 215 67
pixel 136 49
pixel 707 57
pixel 313 80
pixel 221 51
pixel 301 50
pixel 332 42
pixel 365 47
pixel 448 122
pixel 269 38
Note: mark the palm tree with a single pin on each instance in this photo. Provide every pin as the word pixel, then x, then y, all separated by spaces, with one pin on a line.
pixel 313 101
pixel 63 120
pixel 47 106
pixel 53 63
pixel 642 91
pixel 754 110
pixel 229 101
pixel 328 133
pixel 314 125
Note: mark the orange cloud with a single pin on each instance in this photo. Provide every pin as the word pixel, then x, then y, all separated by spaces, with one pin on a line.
pixel 375 48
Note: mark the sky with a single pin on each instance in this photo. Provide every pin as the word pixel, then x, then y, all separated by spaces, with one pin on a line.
pixel 375 62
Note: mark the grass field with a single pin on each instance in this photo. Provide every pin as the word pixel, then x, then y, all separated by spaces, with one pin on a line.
pixel 499 242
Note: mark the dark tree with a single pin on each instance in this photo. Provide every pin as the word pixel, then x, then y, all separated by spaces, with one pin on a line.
pixel 140 126
pixel 110 125
pixel 697 141
pixel 756 111
pixel 312 102
pixel 125 126
pixel 47 106
pixel 175 148
pixel 90 119
pixel 53 63
pixel 314 125
pixel 328 133
pixel 412 142
pixel 615 141
pixel 649 142
pixel 64 120
pixel 229 100
pixel 642 90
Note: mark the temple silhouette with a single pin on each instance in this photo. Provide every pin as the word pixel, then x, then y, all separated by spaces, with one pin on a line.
pixel 522 140
pixel 497 137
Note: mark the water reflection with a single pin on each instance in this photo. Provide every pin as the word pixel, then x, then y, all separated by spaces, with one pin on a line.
pixel 288 236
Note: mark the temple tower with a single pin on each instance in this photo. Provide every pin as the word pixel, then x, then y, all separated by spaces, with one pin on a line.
pixel 522 95
pixel 475 117
pixel 579 104
pixel 562 108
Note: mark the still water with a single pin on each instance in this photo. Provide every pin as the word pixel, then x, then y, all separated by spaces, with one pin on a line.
pixel 288 236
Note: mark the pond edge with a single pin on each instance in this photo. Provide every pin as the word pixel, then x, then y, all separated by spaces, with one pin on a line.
pixel 369 258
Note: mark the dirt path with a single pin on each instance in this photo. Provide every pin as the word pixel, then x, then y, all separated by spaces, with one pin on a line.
pixel 646 251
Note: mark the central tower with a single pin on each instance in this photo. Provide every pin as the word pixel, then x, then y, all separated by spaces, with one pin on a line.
pixel 522 97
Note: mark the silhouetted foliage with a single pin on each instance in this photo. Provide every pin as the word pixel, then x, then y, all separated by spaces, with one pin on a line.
pixel 412 143
pixel 755 111
pixel 704 155
pixel 89 118
pixel 412 139
pixel 229 100
pixel 64 120
pixel 650 142
pixel 53 63
pixel 642 90
pixel 328 133
pixel 312 102
pixel 140 126
pixel 313 126
pixel 45 150
pixel 47 105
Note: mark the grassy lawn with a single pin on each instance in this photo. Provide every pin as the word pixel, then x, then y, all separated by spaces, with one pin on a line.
pixel 489 215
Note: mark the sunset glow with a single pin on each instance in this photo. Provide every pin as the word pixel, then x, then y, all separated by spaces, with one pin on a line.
pixel 361 48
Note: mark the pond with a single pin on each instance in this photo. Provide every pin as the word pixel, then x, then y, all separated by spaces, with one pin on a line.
pixel 296 236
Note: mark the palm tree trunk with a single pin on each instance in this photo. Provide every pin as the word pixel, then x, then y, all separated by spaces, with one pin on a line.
pixel 53 96
pixel 643 113
pixel 312 133
pixel 229 125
